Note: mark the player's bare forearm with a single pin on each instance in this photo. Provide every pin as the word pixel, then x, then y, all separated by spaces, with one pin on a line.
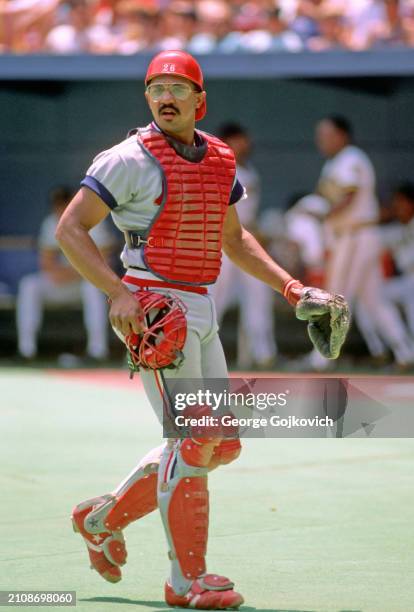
pixel 245 251
pixel 85 257
pixel 84 212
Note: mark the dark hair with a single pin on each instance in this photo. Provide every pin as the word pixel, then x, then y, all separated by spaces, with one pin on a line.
pixel 227 130
pixel 60 194
pixel 274 13
pixel 341 123
pixel 406 189
pixel 183 10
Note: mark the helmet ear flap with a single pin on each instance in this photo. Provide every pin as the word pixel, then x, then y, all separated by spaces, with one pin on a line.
pixel 161 344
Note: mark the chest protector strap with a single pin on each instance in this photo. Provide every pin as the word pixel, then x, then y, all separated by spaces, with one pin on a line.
pixel 183 242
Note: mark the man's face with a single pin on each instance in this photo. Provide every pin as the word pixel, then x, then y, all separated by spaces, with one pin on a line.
pixel 171 113
pixel 403 207
pixel 240 143
pixel 329 139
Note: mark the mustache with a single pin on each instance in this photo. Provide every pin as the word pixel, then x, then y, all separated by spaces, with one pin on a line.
pixel 168 106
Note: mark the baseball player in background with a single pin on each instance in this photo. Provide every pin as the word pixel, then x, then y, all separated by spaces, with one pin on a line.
pixel 398 239
pixel 171 189
pixel 58 283
pixel 347 182
pixel 256 344
pixel 304 226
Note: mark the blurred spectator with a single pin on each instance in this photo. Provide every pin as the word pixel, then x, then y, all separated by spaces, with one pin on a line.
pixel 178 25
pixel 407 24
pixel 378 23
pixel 79 33
pixel 203 26
pixel 305 20
pixel 136 26
pixel 58 283
pixel 273 36
pixel 215 28
pixel 333 32
pixel 25 23
pixel 388 31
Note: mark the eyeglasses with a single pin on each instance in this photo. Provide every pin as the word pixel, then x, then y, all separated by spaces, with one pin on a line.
pixel 180 91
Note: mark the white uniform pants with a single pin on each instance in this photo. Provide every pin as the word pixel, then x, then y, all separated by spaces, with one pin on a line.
pixel 354 270
pixel 37 290
pixel 203 359
pixel 400 290
pixel 256 342
pixel 203 352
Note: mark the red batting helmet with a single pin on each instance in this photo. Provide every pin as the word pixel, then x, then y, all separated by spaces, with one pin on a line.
pixel 179 63
pixel 160 345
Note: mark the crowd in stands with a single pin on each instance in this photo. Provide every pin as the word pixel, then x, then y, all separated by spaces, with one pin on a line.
pixel 203 26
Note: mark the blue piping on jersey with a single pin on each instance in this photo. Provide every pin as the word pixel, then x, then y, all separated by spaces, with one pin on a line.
pixel 92 183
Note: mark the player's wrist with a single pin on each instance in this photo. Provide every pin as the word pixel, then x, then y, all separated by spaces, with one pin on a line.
pixel 117 291
pixel 292 290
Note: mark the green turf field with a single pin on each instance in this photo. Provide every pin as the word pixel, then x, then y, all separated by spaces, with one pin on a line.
pixel 299 525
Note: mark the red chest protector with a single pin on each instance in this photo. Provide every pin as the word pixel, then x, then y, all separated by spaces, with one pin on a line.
pixel 183 242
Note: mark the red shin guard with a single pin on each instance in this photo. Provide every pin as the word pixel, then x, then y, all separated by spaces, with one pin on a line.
pixel 140 499
pixel 188 523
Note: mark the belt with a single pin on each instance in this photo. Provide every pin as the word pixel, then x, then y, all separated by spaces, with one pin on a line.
pixel 148 283
pixel 136 239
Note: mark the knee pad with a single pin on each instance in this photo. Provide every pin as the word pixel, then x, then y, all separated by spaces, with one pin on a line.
pixel 198 452
pixel 226 452
pixel 198 448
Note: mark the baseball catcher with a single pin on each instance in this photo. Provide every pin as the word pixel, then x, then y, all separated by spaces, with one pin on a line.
pixel 171 190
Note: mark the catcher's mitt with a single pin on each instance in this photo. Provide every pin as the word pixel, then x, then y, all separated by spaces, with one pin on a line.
pixel 327 315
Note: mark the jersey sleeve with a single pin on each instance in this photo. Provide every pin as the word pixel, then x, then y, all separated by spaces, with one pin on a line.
pixel 109 178
pixel 238 192
pixel 348 172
